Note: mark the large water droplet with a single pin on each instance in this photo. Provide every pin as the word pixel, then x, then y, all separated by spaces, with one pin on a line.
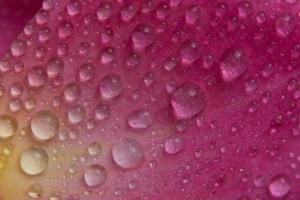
pixel 111 86
pixel 140 119
pixel 279 186
pixel 34 160
pixel 187 101
pixel 128 153
pixel 95 175
pixel 233 64
pixel 44 125
pixel 8 126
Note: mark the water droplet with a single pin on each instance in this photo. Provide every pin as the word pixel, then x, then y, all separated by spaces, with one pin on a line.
pixel 73 8
pixel 41 17
pixel 44 125
pixel 192 14
pixel 142 37
pixel 34 160
pixel 37 77
pixel 285 25
pixel 128 12
pixel 65 29
pixel 233 64
pixel 190 52
pixel 94 149
pixel 102 112
pixel 76 114
pixel 279 186
pixel 173 145
pixel 95 175
pixel 72 92
pixel 187 101
pixel 86 72
pixel 140 119
pixel 8 126
pixel 111 86
pixel 104 11
pixel 128 153
pixel 35 191
pixel 18 47
pixel 107 56
pixel 244 9
pixel 54 67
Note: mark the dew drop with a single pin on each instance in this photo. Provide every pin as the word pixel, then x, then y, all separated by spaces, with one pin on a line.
pixel 187 101
pixel 18 47
pixel 142 37
pixel 279 186
pixel 44 125
pixel 54 67
pixel 65 29
pixel 73 8
pixel 86 72
pixel 104 12
pixel 192 14
pixel 76 114
pixel 34 160
pixel 110 86
pixel 140 119
pixel 94 149
pixel 285 25
pixel 190 52
pixel 8 126
pixel 72 92
pixel 35 191
pixel 233 64
pixel 102 112
pixel 37 77
pixel 128 154
pixel 95 175
pixel 128 12
pixel 173 145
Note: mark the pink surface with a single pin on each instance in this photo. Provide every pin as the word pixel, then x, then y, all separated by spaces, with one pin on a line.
pixel 155 100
